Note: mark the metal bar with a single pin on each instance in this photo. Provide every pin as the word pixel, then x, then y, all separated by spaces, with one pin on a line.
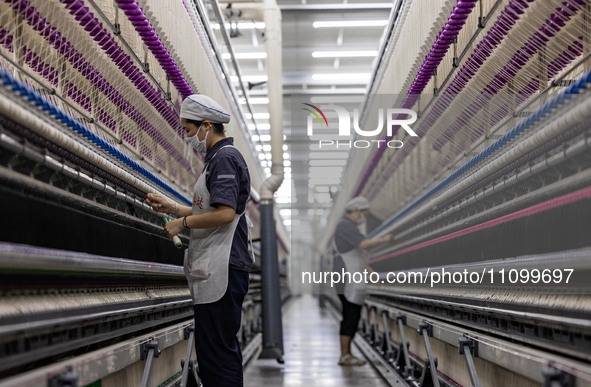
pixel 149 351
pixel 374 336
pixel 189 334
pixel 252 349
pixel 340 7
pixel 365 321
pixel 426 330
pixel 17 256
pixel 401 321
pixel 383 367
pixel 466 348
pixel 385 316
pixel 147 369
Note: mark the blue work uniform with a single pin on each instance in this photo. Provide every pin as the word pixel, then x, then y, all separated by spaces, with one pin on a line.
pixel 217 323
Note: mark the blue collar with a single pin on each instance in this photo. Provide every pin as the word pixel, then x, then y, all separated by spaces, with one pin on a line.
pixel 217 146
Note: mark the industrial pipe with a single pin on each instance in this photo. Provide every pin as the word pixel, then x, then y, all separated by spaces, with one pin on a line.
pixel 272 322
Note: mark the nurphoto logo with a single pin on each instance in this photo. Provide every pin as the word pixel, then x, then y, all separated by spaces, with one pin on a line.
pixel 394 118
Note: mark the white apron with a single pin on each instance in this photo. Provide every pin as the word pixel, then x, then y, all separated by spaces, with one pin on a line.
pixel 208 255
pixel 354 263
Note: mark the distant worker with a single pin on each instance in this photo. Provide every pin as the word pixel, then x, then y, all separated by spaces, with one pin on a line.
pixel 217 260
pixel 350 245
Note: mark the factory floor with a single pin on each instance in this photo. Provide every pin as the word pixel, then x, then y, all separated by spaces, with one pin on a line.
pixel 311 346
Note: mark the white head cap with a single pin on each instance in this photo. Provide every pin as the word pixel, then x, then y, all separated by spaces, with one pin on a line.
pixel 358 203
pixel 200 107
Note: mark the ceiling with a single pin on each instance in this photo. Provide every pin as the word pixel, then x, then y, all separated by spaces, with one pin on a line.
pixel 329 50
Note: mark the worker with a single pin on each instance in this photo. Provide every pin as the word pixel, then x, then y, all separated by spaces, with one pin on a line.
pixel 349 247
pixel 217 261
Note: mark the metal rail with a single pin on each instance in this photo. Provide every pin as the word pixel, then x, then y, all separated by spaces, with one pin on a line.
pixel 95 365
pixel 527 360
pixel 42 339
pixel 537 365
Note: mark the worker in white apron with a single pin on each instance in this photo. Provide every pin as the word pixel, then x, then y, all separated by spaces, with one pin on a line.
pixel 217 260
pixel 349 255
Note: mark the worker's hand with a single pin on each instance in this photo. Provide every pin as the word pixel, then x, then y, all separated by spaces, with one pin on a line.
pixel 160 203
pixel 173 227
pixel 387 238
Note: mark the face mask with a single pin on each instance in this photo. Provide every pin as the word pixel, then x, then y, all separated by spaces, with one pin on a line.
pixel 199 146
pixel 362 219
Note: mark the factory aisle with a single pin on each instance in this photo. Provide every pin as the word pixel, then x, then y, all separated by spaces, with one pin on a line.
pixel 311 353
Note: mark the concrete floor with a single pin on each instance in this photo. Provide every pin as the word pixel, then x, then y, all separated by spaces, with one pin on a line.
pixel 311 344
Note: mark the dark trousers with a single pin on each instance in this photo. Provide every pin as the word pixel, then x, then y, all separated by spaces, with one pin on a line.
pixel 351 317
pixel 216 326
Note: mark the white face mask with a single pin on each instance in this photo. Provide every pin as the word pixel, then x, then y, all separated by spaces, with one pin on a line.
pixel 362 219
pixel 199 146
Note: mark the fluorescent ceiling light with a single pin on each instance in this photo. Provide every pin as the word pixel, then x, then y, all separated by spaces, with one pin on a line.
pixel 327 163
pixel 341 76
pixel 262 138
pixel 331 137
pixel 257 116
pixel 334 7
pixel 328 174
pixel 242 25
pixel 250 78
pixel 246 55
pixel 325 181
pixel 255 101
pixel 344 54
pixel 314 170
pixel 331 91
pixel 322 197
pixel 349 23
pixel 357 99
pixel 261 126
pixel 328 155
